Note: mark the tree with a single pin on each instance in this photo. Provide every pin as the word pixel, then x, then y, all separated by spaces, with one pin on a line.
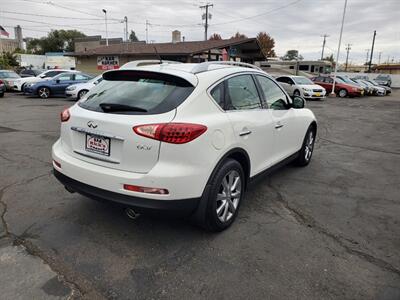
pixel 330 58
pixel 7 60
pixel 215 37
pixel 133 37
pixel 292 55
pixel 56 41
pixel 239 35
pixel 267 44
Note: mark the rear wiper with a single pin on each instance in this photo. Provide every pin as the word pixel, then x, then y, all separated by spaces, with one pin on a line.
pixel 112 107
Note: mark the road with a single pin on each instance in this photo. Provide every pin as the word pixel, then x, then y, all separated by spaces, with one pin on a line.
pixel 328 231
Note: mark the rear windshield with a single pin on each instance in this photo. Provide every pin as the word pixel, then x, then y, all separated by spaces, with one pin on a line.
pixel 137 92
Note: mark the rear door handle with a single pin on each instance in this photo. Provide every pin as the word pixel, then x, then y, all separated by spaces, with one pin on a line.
pixel 279 125
pixel 243 133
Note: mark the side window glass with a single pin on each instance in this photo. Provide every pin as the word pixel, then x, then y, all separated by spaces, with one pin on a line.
pixel 65 77
pixel 242 93
pixel 218 95
pixel 275 97
pixel 80 77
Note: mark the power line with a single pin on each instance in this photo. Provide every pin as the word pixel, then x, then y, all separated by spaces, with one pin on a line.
pixel 259 15
pixel 47 16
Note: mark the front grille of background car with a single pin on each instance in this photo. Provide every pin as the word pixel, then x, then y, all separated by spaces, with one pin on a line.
pixel 317 90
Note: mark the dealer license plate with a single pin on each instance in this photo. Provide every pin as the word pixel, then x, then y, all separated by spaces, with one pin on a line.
pixel 317 94
pixel 98 144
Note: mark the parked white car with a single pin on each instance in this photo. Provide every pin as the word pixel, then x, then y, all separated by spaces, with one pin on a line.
pixel 186 138
pixel 77 91
pixel 301 86
pixel 22 82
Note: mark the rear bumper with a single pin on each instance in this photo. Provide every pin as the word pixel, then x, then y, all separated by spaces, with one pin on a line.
pixel 181 207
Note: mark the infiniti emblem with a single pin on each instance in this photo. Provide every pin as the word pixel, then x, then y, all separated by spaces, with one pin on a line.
pixel 91 124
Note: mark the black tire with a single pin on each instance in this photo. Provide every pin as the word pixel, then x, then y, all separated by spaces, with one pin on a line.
pixel 296 93
pixel 305 156
pixel 22 87
pixel 1 95
pixel 44 92
pixel 343 93
pixel 211 220
pixel 81 94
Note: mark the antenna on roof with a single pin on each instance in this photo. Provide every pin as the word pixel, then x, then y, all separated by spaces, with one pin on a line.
pixel 158 55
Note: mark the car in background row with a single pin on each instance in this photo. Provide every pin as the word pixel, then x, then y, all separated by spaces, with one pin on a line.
pixel 30 72
pixel 301 86
pixel 2 88
pixel 8 77
pixel 20 83
pixel 368 89
pixel 346 79
pixel 384 79
pixel 77 91
pixel 55 86
pixel 342 89
pixel 387 89
pixel 376 90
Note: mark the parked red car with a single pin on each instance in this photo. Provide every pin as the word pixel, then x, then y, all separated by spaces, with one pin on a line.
pixel 342 89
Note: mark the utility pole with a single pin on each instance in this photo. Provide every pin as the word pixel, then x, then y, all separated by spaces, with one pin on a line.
pixel 105 18
pixel 366 60
pixel 338 50
pixel 147 31
pixel 379 59
pixel 348 48
pixel 372 52
pixel 323 45
pixel 207 16
pixel 126 28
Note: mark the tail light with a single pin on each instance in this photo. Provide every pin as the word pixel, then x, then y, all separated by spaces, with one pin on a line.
pixel 174 133
pixel 147 190
pixel 1 82
pixel 65 115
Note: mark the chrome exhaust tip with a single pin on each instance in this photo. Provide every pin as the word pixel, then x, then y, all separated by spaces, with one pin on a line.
pixel 132 214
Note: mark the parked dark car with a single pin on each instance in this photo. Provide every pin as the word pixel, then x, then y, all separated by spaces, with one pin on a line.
pixel 387 88
pixel 342 89
pixel 384 79
pixel 2 88
pixel 30 72
pixel 55 86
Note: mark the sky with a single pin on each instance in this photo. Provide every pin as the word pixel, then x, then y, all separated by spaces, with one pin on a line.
pixel 294 24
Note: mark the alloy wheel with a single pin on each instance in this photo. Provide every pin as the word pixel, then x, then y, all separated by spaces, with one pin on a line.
pixel 309 146
pixel 81 94
pixel 228 196
pixel 44 93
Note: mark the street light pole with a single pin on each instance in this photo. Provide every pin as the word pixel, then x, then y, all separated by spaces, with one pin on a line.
pixel 338 52
pixel 105 18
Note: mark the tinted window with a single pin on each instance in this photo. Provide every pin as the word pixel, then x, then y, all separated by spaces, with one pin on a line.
pixel 218 94
pixel 81 77
pixel 65 77
pixel 149 92
pixel 282 79
pixel 242 93
pixel 275 97
pixel 52 73
pixel 7 74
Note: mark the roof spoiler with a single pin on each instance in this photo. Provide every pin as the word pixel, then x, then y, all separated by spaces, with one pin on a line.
pixel 146 62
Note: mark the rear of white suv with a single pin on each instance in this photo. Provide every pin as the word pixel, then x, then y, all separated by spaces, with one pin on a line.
pixel 158 137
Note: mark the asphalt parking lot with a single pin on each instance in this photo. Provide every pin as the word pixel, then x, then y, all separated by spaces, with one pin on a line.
pixel 328 231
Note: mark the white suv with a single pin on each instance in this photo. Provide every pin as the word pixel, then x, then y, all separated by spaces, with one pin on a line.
pixel 186 138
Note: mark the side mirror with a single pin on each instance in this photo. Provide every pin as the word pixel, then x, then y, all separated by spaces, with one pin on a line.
pixel 298 102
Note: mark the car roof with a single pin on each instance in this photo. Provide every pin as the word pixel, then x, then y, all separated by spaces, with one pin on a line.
pixel 190 71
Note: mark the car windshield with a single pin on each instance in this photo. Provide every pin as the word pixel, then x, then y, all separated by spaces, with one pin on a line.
pixel 339 80
pixel 8 74
pixel 346 79
pixel 302 81
pixel 384 77
pixel 133 92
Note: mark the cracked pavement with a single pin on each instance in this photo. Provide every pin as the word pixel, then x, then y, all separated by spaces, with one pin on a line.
pixel 327 231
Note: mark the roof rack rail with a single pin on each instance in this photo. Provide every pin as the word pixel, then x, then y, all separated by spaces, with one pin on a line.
pixel 146 62
pixel 203 67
